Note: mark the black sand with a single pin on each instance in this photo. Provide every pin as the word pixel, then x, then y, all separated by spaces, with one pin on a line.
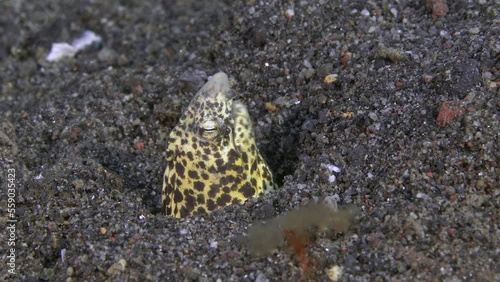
pixel 86 137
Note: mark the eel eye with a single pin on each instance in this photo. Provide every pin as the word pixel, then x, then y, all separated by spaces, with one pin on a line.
pixel 209 129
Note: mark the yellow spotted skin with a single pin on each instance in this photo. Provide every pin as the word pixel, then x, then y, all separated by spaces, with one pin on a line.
pixel 212 158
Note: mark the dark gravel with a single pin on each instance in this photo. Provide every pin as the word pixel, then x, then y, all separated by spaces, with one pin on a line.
pixel 86 136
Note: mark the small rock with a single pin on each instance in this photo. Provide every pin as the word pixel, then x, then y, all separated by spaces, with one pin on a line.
pixel 373 116
pixel 394 12
pixel 356 155
pixel 307 64
pixel 394 55
pixel 474 30
pixel 107 55
pixel 470 97
pixel 325 70
pixel 117 267
pixel 334 272
pixel 309 125
pixel 331 78
pixel 70 271
pixel 78 184
pixel 449 111
pixel 310 73
pixel 271 107
pixel 332 201
pixel 449 192
pixel 214 244
pixel 458 77
pixel 427 78
pixel 439 7
pixel 261 278
pixel 322 99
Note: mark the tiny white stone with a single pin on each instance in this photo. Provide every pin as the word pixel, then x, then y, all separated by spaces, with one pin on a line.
pixel 38 177
pixel 331 178
pixel 307 64
pixel 372 29
pixel 421 195
pixel 334 168
pixel 63 254
pixel 394 12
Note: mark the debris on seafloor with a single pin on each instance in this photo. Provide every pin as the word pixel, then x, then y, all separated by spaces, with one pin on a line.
pixel 297 228
pixel 439 8
pixel 392 54
pixel 450 110
pixel 334 272
pixel 61 50
pixel 331 78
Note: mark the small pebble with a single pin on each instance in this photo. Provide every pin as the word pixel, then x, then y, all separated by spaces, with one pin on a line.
pixel 117 267
pixel 289 13
pixel 449 191
pixel 474 30
pixel 325 70
pixel 270 107
pixel 334 272
pixel 331 78
pixel 427 78
pixel 470 97
pixel 309 73
pixel 307 64
pixel 331 178
pixel 394 12
pixel 373 116
pixel 487 75
pixel 107 55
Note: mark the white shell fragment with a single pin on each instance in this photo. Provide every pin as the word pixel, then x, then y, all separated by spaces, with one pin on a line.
pixel 61 50
pixel 333 169
pixel 87 39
